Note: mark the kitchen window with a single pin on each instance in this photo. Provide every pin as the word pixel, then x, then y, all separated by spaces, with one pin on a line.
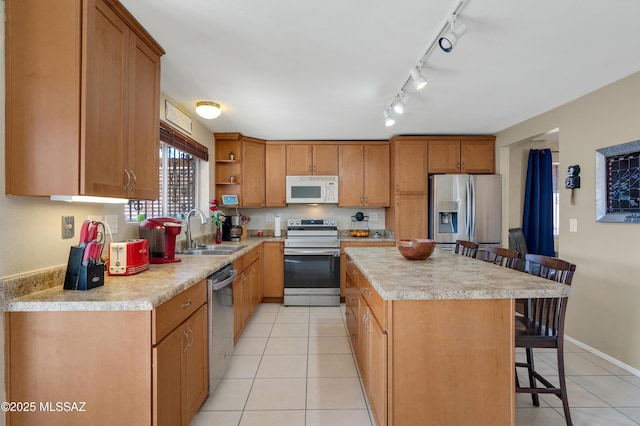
pixel 178 175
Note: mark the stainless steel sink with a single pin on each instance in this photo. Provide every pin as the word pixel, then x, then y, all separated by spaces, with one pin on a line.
pixel 212 250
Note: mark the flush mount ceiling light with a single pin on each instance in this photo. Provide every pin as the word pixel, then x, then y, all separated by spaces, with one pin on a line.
pixel 388 120
pixel 208 109
pixel 448 41
pixel 446 37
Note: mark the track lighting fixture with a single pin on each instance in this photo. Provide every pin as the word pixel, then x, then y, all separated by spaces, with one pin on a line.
pixel 398 103
pixel 448 41
pixel 388 120
pixel 419 82
pixel 208 109
pixel 446 37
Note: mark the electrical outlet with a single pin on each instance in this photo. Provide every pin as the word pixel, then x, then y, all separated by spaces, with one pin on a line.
pixel 112 221
pixel 373 217
pixel 68 227
pixel 270 218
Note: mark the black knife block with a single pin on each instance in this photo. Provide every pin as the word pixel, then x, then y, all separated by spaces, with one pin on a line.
pixel 79 276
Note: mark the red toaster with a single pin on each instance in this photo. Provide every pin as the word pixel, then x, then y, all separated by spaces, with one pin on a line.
pixel 129 257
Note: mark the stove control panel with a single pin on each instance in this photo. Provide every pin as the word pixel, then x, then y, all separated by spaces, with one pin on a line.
pixel 313 222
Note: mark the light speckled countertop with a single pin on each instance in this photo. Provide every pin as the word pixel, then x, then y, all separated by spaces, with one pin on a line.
pixel 144 291
pixel 446 276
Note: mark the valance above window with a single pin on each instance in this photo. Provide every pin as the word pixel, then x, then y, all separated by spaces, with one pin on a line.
pixel 171 136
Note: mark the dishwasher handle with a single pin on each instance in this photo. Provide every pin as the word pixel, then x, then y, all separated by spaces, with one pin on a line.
pixel 217 285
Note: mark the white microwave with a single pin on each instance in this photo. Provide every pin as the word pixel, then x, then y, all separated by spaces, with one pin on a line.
pixel 312 189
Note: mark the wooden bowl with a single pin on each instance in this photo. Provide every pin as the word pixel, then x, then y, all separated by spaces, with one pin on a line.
pixel 416 248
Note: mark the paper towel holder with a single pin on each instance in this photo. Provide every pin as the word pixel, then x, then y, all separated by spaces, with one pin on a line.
pixel 277 225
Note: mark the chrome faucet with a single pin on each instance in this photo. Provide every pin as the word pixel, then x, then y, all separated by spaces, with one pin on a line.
pixel 203 220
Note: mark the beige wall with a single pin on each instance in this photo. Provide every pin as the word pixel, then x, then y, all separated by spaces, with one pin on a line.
pixel 603 309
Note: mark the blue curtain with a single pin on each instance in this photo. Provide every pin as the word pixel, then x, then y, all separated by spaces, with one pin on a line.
pixel 537 219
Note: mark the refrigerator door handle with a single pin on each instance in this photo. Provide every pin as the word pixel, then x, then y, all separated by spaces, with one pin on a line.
pixel 467 213
pixel 472 227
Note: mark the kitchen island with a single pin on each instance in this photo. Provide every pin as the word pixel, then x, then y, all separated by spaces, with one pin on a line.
pixel 434 339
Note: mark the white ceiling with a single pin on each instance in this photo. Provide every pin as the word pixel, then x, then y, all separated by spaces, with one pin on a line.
pixel 301 69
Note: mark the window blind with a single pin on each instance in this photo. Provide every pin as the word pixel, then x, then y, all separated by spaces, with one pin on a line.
pixel 182 142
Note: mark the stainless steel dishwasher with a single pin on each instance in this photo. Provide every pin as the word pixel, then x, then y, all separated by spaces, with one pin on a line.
pixel 220 301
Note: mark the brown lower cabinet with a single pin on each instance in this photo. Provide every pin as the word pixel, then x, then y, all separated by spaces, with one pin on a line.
pixel 343 257
pixel 441 360
pixel 247 289
pixel 109 367
pixel 273 270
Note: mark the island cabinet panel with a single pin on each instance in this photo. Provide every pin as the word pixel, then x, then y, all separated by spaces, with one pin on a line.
pixel 346 266
pixel 446 362
pixel 99 360
pixel 371 352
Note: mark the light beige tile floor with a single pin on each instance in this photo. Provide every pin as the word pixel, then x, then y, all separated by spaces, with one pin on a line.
pixel 293 366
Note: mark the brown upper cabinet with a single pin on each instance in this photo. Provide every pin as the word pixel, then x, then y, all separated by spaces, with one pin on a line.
pixel 88 125
pixel 276 175
pixel 407 214
pixel 462 154
pixel 244 175
pixel 312 159
pixel 363 175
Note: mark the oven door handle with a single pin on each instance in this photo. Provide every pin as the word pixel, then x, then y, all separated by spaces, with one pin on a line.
pixel 311 252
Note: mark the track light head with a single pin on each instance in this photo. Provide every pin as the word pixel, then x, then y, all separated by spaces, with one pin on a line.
pixel 448 41
pixel 388 120
pixel 398 104
pixel 419 82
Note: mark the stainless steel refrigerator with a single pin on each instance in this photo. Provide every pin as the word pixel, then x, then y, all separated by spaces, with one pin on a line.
pixel 465 207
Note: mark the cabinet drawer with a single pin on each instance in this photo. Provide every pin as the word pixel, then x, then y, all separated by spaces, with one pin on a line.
pixel 375 302
pixel 243 263
pixel 352 273
pixel 170 314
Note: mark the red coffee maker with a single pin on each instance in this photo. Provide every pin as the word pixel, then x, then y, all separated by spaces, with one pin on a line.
pixel 161 232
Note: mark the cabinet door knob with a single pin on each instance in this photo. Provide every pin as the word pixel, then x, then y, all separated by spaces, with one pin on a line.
pixel 463 165
pixel 397 202
pixel 366 201
pixel 397 188
pixel 458 166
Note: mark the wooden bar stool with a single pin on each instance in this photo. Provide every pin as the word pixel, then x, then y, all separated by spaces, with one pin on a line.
pixel 502 256
pixel 542 326
pixel 466 248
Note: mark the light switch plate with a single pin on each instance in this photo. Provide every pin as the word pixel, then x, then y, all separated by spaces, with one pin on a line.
pixel 270 218
pixel 573 225
pixel 373 217
pixel 68 227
